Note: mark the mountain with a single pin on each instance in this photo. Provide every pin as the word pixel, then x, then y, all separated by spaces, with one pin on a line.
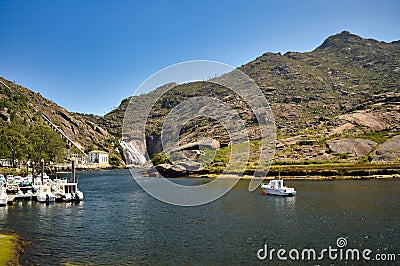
pixel 339 102
pixel 19 105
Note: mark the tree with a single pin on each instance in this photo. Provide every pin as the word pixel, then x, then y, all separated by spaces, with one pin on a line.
pixel 13 144
pixel 46 144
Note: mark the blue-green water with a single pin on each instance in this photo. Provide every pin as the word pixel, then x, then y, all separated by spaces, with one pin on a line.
pixel 119 224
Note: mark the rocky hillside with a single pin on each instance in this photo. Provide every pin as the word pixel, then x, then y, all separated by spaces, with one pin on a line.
pixel 20 104
pixel 339 102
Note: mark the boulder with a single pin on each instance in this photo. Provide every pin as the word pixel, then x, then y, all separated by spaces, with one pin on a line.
pixel 211 144
pixel 169 170
pixel 389 151
pixel 355 147
pixel 364 119
pixel 190 166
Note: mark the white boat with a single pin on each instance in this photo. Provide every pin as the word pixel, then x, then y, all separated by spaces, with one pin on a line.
pixel 28 180
pixel 38 179
pixel 44 194
pixel 13 188
pixel 3 196
pixel 10 178
pixel 19 180
pixel 68 192
pixel 276 187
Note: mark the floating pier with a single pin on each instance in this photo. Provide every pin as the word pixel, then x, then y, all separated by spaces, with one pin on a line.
pixel 41 188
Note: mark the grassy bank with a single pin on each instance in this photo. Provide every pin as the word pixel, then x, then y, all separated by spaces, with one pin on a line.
pixel 11 247
pixel 217 162
pixel 335 169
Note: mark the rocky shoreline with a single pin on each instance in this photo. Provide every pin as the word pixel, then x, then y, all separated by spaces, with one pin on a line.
pixel 294 173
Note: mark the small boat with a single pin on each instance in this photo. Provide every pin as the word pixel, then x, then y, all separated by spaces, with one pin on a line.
pixel 13 188
pixel 19 180
pixel 38 179
pixel 3 196
pixel 276 187
pixel 68 192
pixel 3 180
pixel 28 180
pixel 44 194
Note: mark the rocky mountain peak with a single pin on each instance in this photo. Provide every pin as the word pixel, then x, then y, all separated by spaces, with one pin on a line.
pixel 341 40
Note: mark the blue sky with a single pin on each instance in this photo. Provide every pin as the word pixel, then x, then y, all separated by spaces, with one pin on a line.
pixel 88 55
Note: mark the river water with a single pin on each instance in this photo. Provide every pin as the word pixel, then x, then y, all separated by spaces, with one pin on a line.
pixel 119 224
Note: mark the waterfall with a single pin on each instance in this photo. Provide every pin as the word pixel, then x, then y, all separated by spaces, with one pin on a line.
pixel 132 154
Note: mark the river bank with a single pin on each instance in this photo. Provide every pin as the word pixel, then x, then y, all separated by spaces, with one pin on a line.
pixel 316 177
pixel 330 171
pixel 11 248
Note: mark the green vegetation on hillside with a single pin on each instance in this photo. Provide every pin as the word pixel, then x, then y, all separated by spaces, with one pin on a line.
pixel 348 88
pixel 35 142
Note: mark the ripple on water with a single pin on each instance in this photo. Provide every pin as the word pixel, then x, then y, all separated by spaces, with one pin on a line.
pixel 119 224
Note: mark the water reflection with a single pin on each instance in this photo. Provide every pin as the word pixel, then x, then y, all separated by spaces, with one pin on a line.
pixel 119 224
pixel 3 214
pixel 282 203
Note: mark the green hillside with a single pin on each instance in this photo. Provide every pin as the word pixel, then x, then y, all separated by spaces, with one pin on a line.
pixel 337 103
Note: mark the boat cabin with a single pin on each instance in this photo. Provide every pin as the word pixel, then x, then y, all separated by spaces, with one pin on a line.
pixel 69 187
pixel 276 184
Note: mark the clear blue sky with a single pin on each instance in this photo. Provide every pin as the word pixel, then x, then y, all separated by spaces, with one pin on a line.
pixel 88 55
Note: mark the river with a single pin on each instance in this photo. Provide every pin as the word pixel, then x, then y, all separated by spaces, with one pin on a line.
pixel 119 224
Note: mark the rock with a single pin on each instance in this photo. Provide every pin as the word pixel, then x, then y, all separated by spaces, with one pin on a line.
pixel 211 144
pixel 389 151
pixel 153 144
pixel 5 116
pixel 364 119
pixel 168 170
pixel 340 129
pixel 280 145
pixel 307 142
pixel 356 147
pixel 297 99
pixel 190 166
pixel 101 131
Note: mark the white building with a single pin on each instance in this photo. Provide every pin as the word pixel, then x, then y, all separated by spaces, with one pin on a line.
pixel 6 162
pixel 79 159
pixel 100 157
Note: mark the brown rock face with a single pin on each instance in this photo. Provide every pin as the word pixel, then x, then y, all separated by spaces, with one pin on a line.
pixel 168 170
pixel 389 151
pixel 355 147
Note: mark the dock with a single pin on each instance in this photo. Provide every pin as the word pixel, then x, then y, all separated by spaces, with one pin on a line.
pixel 41 189
pixel 13 198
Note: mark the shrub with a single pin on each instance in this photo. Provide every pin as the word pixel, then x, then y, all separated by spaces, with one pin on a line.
pixel 114 161
pixel 159 158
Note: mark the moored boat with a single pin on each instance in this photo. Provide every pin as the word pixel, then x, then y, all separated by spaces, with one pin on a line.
pixel 38 179
pixel 68 192
pixel 3 196
pixel 44 194
pixel 276 187
pixel 2 180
